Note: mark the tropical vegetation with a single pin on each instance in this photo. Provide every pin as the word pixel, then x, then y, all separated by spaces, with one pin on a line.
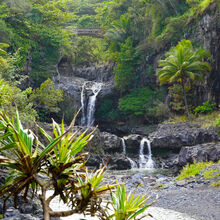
pixel 62 162
pixel 38 34
pixel 184 65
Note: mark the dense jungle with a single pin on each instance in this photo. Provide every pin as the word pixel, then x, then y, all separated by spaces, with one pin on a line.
pixel 126 89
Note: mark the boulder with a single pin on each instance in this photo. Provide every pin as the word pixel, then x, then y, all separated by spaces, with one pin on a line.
pixel 119 162
pixel 198 153
pixel 132 143
pixel 111 143
pixel 174 136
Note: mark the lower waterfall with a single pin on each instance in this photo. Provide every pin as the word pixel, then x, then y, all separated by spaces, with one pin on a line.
pixel 133 164
pixel 145 161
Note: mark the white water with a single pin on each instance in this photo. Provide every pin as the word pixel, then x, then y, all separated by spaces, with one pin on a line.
pixel 123 145
pixel 96 88
pixel 145 161
pixel 83 118
pixel 88 109
pixel 133 164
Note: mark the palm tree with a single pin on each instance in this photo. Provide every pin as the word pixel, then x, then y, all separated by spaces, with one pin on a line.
pixel 119 30
pixel 183 64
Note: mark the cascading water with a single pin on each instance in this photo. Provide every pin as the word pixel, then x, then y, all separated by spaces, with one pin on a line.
pixel 123 145
pixel 133 164
pixel 96 88
pixel 145 161
pixel 83 118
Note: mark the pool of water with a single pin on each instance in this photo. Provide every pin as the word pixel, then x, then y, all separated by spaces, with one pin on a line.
pixel 152 172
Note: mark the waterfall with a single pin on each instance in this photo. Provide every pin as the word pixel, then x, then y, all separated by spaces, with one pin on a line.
pixel 145 161
pixel 123 145
pixel 83 118
pixel 133 164
pixel 96 88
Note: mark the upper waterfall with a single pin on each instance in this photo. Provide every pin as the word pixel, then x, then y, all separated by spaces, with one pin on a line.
pixel 96 88
pixel 88 104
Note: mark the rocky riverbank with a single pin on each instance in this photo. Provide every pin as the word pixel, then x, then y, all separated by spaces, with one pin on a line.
pixel 195 197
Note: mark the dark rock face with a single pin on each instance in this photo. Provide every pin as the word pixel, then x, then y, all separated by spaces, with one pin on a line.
pixel 71 80
pixel 119 162
pixel 111 143
pixel 114 162
pixel 207 34
pixel 133 143
pixel 102 73
pixel 174 136
pixel 198 153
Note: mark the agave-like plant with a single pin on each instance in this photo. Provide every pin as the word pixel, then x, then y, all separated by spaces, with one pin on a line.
pixel 21 151
pixel 27 157
pixel 61 161
pixel 127 206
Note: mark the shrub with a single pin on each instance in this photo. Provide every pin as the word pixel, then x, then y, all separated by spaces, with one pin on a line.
pixel 136 102
pixel 217 123
pixel 190 170
pixel 107 109
pixel 157 113
pixel 207 107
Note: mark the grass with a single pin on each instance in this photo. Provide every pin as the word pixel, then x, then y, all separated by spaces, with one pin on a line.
pixel 205 169
pixel 204 4
pixel 216 183
pixel 190 171
pixel 204 120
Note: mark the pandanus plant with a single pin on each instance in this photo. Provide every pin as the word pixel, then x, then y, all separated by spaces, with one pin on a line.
pixel 23 154
pixel 62 162
pixel 128 206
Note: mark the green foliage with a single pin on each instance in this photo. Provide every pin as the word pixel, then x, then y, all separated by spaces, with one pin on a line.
pixel 217 124
pixel 47 96
pixel 206 169
pixel 65 169
pixel 127 206
pixel 190 170
pixel 126 60
pixel 3 61
pixel 177 97
pixel 12 97
pixel 199 5
pixel 157 113
pixel 136 102
pixel 205 108
pixel 145 103
pixel 108 110
pixel 183 64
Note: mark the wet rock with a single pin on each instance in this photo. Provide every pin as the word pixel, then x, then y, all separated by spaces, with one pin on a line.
pixel 119 162
pixel 71 81
pixel 201 152
pixel 149 180
pixel 133 143
pixel 181 182
pixel 174 136
pixel 111 143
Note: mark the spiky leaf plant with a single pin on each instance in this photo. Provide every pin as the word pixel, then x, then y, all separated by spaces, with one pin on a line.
pixel 22 153
pixel 127 206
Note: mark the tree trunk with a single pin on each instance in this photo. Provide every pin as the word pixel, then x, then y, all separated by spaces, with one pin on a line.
pixel 185 102
pixel 46 209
